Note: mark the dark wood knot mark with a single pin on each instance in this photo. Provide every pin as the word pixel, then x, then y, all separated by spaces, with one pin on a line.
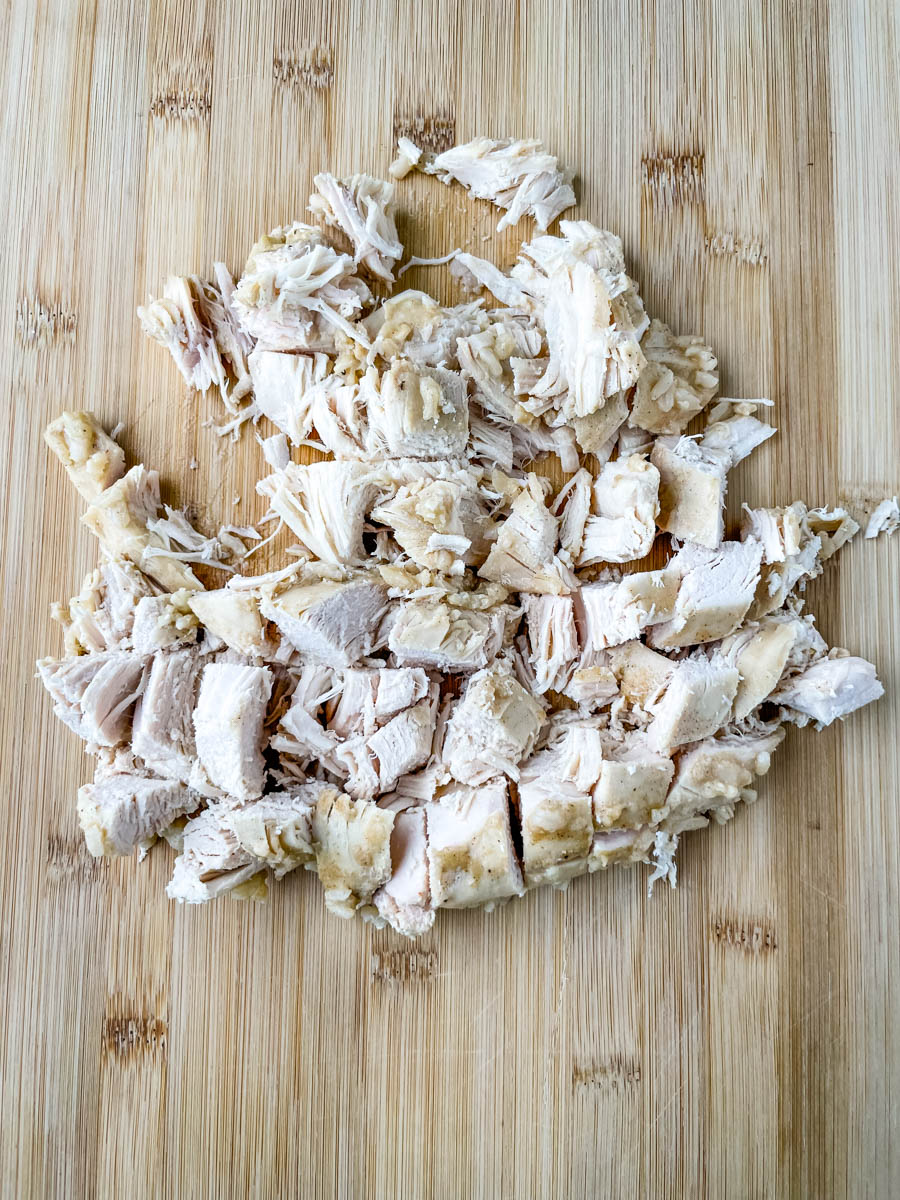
pixel 178 105
pixel 404 966
pixel 434 133
pixel 620 1071
pixel 40 324
pixel 130 1035
pixel 673 179
pixel 69 861
pixel 748 250
pixel 750 934
pixel 312 70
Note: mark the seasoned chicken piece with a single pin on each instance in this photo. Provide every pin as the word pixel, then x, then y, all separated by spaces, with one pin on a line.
pixel 557 828
pixel 735 437
pixel 626 504
pixel 523 556
pixel 282 387
pixel 713 776
pixel 435 634
pixel 420 412
pixel 296 291
pixel 121 812
pixel 93 461
pixel 324 504
pixel 493 727
pixel 679 380
pixel 211 861
pixel 553 640
pixel 101 616
pixel 361 208
pixel 760 652
pixel 414 325
pixel 228 726
pixel 696 702
pixel 609 613
pixel 442 524
pixel 641 673
pixel 333 622
pixel 405 900
pixel 119 517
pixel 620 847
pixel 593 686
pixel 885 518
pixel 596 433
pixel 277 830
pixel 472 857
pixel 352 840
pixel 517 175
pixel 163 729
pixel 692 483
pixel 233 616
pixel 717 589
pixel 830 688
pixel 633 783
pixel 94 694
pixel 161 621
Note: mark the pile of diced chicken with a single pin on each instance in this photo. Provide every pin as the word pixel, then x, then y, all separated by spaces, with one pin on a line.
pixel 464 685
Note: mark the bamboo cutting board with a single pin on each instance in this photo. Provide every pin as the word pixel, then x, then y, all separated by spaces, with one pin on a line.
pixel 738 1037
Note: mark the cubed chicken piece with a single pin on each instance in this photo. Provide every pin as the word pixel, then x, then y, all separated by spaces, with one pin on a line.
pixel 442 524
pixel 592 687
pixel 472 857
pixel 352 840
pixel 282 387
pixel 715 775
pixel 640 673
pixel 573 507
pixel 596 433
pixel 553 640
pixel 119 517
pixel 625 504
pixel 122 812
pixel 163 730
pixel 692 483
pixel 524 555
pixel 336 623
pixel 94 694
pixel 420 412
pixel 277 830
pixel 515 174
pixel 576 757
pixel 324 504
pixel 93 461
pixel 398 688
pixel 493 727
pixel 339 410
pixel 620 847
pixel 353 710
pixel 232 615
pixel 403 743
pixel 163 621
pixel 434 634
pixel 735 437
pixel 830 688
pixel 414 325
pixel 557 829
pixel 228 727
pixel 631 785
pixel 696 702
pixel 405 900
pixel 212 861
pixel 301 735
pixel 717 588
pixel 885 518
pixel 101 616
pixel 760 652
pixel 679 380
pixel 361 208
pixel 609 614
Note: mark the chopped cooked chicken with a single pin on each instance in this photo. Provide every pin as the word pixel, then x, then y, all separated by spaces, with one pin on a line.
pixel 121 812
pixel 94 694
pixel 101 616
pixel 277 830
pixel 679 380
pixel 641 673
pixel 360 207
pixel 633 783
pixel 161 621
pixel 735 437
pixel 884 519
pixel 523 556
pixel 696 702
pixel 830 688
pixel 413 325
pixel 435 634
pixel 553 639
pixel 593 686
pixel 399 747
pixel 619 847
pixel 472 858
pixel 486 357
pixel 442 524
pixel 716 590
pixel 233 616
pixel 93 461
pixel 692 483
pixel 212 861
pixel 163 730
pixel 609 613
pixel 297 291
pixel 405 900
pixel 760 651
pixel 336 623
pixel 596 433
pixel 407 158
pixel 492 728
pixel 625 503
pixel 517 175
pixel 282 386
pixel 557 828
pixel 228 726
pixel 324 504
pixel 420 412
pixel 352 840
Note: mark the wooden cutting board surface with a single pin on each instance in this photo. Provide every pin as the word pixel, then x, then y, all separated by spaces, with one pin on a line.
pixel 737 1037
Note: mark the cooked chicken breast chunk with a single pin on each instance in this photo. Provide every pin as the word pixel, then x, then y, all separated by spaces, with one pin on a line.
pixel 405 900
pixel 121 812
pixel 228 727
pixel 352 841
pixel 93 461
pixel 492 728
pixel 472 857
